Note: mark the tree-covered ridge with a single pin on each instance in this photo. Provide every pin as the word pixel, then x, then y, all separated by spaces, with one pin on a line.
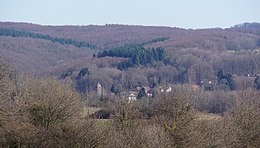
pixel 138 55
pixel 16 33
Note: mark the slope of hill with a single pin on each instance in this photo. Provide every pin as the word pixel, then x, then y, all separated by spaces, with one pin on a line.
pixel 37 55
pixel 15 33
pixel 40 55
pixel 110 36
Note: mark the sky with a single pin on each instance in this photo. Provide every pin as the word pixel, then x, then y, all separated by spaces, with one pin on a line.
pixel 174 13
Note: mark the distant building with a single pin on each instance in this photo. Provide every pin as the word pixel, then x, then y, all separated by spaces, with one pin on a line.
pixel 149 94
pixel 99 89
pixel 161 89
pixel 146 88
pixel 169 89
pixel 132 96
pixel 165 89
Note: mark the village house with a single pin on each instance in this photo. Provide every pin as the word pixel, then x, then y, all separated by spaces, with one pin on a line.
pixel 166 89
pixel 100 90
pixel 169 89
pixel 132 96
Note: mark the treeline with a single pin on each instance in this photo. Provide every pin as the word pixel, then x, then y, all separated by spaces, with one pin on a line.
pixel 138 55
pixel 15 33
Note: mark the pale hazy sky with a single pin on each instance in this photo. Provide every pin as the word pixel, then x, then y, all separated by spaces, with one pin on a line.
pixel 175 13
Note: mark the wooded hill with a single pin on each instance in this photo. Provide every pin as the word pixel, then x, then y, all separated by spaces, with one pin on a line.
pixel 129 86
pixel 189 56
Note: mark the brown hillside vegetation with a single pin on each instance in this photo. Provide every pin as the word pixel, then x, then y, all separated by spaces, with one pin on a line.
pixel 37 55
pixel 47 113
pixel 109 36
pixel 191 56
pixel 129 86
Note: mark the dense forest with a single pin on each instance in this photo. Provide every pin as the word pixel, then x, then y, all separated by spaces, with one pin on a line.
pixel 129 86
pixel 138 55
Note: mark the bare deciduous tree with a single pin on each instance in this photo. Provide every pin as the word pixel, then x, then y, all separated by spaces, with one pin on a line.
pixel 175 112
pixel 5 86
pixel 242 124
pixel 48 102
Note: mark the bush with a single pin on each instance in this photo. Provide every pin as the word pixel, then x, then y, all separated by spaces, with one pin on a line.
pixel 48 102
pixel 242 124
pixel 175 113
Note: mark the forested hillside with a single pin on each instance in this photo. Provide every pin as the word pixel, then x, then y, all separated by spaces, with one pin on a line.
pixel 129 86
pixel 132 54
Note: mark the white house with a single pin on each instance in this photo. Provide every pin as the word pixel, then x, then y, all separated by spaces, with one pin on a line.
pixel 169 89
pixel 132 96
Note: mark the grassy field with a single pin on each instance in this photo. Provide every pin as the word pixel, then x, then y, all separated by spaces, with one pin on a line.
pixel 207 116
pixel 90 110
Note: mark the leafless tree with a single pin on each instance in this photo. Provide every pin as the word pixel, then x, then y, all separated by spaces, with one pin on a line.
pixel 242 124
pixel 48 102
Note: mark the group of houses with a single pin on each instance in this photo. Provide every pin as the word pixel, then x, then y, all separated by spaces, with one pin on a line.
pixel 148 91
pixel 133 95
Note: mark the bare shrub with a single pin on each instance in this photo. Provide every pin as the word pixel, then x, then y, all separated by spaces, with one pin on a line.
pixel 76 133
pixel 216 102
pixel 129 129
pixel 242 123
pixel 48 102
pixel 15 133
pixel 6 86
pixel 142 136
pixel 174 111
